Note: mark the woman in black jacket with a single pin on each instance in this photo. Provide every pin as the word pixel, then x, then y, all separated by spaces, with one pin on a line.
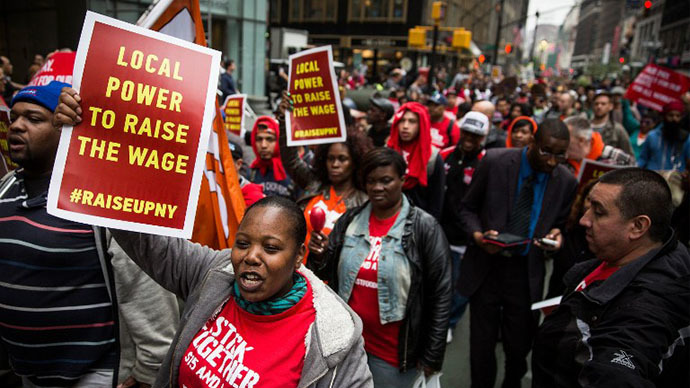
pixel 390 261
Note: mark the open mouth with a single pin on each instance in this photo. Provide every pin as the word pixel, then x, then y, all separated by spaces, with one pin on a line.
pixel 16 143
pixel 250 281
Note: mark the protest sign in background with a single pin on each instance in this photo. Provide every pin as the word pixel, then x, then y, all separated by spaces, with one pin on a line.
pixel 591 170
pixel 148 102
pixel 234 113
pixel 6 164
pixel 317 115
pixel 58 67
pixel 656 86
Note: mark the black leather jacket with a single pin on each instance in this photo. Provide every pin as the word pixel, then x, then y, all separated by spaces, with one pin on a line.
pixel 423 333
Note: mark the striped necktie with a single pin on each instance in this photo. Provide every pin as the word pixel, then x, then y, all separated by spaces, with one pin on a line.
pixel 522 211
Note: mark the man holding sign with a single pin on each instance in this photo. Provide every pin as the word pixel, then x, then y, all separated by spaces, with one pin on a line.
pixel 68 281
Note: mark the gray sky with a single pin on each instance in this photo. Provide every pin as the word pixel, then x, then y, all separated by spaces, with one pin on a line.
pixel 550 11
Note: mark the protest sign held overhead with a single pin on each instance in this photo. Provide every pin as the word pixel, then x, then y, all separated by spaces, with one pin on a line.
pixel 234 113
pixel 148 103
pixel 221 204
pixel 657 86
pixel 317 115
pixel 58 67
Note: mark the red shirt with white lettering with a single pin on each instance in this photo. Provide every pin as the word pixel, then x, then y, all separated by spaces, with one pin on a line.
pixel 602 272
pixel 439 133
pixel 379 340
pixel 240 349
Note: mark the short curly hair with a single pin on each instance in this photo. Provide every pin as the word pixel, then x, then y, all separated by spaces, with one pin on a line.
pixel 357 143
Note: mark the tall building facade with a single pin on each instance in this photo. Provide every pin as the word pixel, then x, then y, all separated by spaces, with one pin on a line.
pixel 567 36
pixel 375 31
pixel 674 35
pixel 237 29
pixel 646 43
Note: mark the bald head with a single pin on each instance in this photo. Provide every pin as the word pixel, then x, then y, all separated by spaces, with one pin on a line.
pixel 565 102
pixel 485 107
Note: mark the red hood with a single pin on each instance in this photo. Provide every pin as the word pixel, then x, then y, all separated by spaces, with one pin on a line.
pixel 275 163
pixel 509 143
pixel 420 147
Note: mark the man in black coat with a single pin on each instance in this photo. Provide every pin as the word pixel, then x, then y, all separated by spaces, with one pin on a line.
pixel 524 192
pixel 625 318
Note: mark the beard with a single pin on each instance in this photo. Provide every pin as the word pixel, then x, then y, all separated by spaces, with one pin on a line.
pixel 672 131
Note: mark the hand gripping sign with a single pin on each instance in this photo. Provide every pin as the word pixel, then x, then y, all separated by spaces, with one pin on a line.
pixel 134 162
pixel 317 115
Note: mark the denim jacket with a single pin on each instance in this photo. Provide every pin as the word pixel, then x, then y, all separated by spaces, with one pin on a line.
pixel 394 272
pixel 414 283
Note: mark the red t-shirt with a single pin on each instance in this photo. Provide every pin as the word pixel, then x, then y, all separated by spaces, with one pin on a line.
pixel 240 349
pixel 439 133
pixel 602 272
pixel 379 340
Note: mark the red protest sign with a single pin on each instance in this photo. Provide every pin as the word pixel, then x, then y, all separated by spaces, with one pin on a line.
pixel 317 115
pixel 148 102
pixel 5 163
pixel 58 67
pixel 592 169
pixel 234 113
pixel 656 86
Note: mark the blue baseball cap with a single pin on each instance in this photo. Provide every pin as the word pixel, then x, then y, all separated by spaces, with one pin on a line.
pixel 46 96
pixel 438 99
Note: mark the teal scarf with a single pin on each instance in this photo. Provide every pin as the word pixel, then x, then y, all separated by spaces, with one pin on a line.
pixel 273 306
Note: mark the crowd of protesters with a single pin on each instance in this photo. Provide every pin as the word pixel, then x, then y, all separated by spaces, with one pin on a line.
pixel 451 190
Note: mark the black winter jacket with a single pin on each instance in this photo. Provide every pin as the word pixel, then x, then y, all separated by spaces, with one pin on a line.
pixel 430 197
pixel 631 330
pixel 424 329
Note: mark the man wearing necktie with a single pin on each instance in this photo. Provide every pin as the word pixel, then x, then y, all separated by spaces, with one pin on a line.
pixel 525 192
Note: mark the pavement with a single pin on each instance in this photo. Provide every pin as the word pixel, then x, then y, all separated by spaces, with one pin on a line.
pixel 456 365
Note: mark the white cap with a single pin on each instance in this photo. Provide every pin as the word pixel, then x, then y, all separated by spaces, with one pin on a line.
pixel 475 122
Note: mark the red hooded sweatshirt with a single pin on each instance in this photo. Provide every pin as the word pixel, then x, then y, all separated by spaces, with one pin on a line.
pixel 274 163
pixel 509 142
pixel 418 151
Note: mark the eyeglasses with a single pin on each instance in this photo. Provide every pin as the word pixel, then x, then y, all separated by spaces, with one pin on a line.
pixel 559 157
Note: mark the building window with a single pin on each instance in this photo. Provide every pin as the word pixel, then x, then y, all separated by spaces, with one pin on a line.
pixel 321 11
pixel 275 11
pixel 364 11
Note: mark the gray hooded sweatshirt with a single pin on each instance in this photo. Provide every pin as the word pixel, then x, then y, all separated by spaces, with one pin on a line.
pixel 203 277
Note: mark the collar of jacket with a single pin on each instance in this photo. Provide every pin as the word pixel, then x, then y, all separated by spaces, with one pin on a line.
pixel 360 224
pixel 620 279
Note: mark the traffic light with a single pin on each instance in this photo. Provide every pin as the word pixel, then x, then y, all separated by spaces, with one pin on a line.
pixel 621 60
pixel 416 37
pixel 481 58
pixel 461 38
pixel 509 48
pixel 647 7
pixel 438 10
